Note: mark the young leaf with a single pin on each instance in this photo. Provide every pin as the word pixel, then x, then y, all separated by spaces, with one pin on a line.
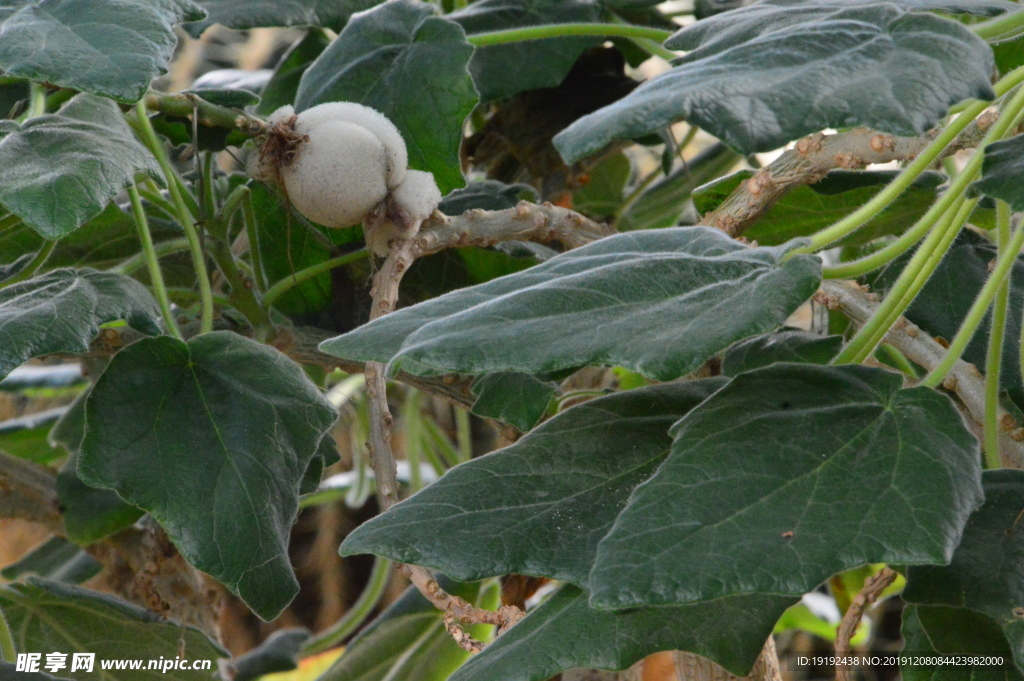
pixel 212 437
pixel 108 48
pixel 411 65
pixel 986 575
pixel 47 616
pixel 244 14
pixel 659 302
pixel 801 471
pixel 519 399
pixel 766 74
pixel 809 209
pixel 62 310
pixel 788 345
pixel 565 632
pixel 503 70
pixel 1002 172
pixel 59 170
pixel 935 632
pixel 541 506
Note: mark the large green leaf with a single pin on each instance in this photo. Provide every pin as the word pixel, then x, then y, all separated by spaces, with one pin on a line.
pixel 411 65
pixel 1002 172
pixel 565 632
pixel 939 632
pixel 62 310
pixel 59 170
pixel 212 437
pixel 788 345
pixel 766 74
pixel 986 575
pixel 659 302
pixel 47 616
pixel 788 475
pixel 810 208
pixel 106 47
pixel 406 642
pixel 541 506
pixel 243 14
pixel 503 70
pixel 283 85
pixel 944 301
pixel 516 398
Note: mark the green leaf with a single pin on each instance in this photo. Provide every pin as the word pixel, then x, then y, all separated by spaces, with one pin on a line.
pixel 56 559
pixel 766 74
pixel 802 471
pixel 47 616
pixel 664 301
pixel 541 506
pixel 411 65
pixel 602 195
pixel 233 98
pixel 287 246
pixel 406 642
pixel 59 170
pixel 663 204
pixel 519 399
pixel 244 14
pixel 284 84
pixel 986 575
pixel 9 672
pixel 1002 172
pixel 564 632
pixel 934 632
pixel 90 513
pixel 810 208
pixel 212 437
pixel 940 307
pixel 788 345
pixel 486 195
pixel 62 311
pixel 108 48
pixel 278 653
pixel 503 70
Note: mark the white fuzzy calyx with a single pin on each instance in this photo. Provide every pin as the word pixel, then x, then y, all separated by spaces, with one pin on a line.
pixel 342 163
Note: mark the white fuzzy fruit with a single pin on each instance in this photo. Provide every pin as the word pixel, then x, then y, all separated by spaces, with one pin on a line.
pixel 342 163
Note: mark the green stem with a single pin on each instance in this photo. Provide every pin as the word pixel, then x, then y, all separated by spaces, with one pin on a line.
pixel 209 202
pixel 184 216
pixel 29 270
pixel 412 418
pixel 156 277
pixel 252 233
pixel 465 437
pixel 158 201
pixel 357 614
pixel 516 35
pixel 924 160
pixel 650 45
pixel 978 310
pixel 898 359
pixel 993 28
pixel 7 650
pixel 278 289
pixel 994 355
pixel 37 100
pixel 161 249
pixel 242 297
pixel 213 115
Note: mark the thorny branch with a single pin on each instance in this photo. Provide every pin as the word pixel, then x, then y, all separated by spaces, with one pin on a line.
pixel 457 611
pixel 873 588
pixel 814 156
pixel 964 379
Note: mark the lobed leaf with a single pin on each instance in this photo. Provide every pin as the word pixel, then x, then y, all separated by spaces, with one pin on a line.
pixel 541 506
pixel 761 76
pixel 62 311
pixel 788 475
pixel 113 48
pixel 213 438
pixel 411 65
pixel 659 302
pixel 59 170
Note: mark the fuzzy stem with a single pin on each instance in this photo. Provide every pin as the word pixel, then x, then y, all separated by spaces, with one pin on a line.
pixel 998 27
pixel 209 114
pixel 242 297
pixel 156 277
pixel 184 216
pixel 161 249
pixel 29 270
pixel 978 310
pixel 356 615
pixel 37 100
pixel 209 201
pixel 7 650
pixel 286 284
pixel 516 35
pixel 994 356
pixel 252 233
